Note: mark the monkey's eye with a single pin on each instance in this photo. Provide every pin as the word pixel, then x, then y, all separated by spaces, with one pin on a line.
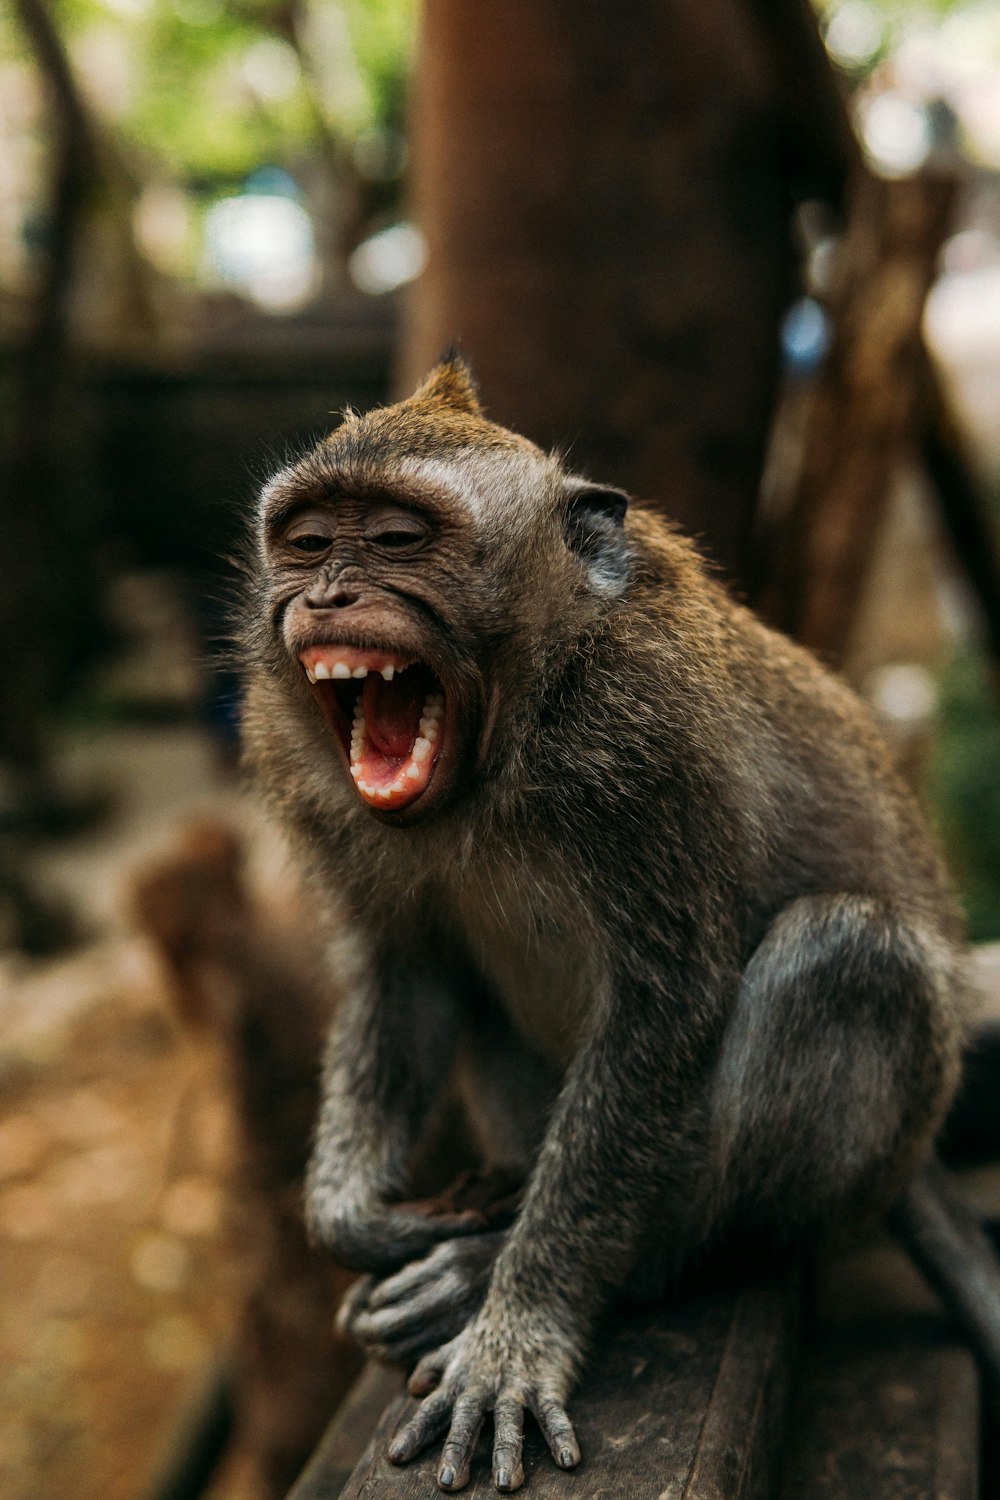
pixel 310 533
pixel 310 541
pixel 396 531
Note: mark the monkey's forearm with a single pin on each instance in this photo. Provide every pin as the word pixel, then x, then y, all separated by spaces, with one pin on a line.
pixel 617 1157
pixel 380 1081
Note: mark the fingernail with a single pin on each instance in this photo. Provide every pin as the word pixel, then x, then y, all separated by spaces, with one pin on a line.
pixel 447 1478
pixel 397 1452
pixel 503 1479
pixel 566 1457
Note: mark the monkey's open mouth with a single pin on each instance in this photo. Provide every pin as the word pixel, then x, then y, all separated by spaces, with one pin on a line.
pixel 388 713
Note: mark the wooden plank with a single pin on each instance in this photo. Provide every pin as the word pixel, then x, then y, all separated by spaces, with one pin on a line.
pixel 685 1403
pixel 344 1442
pixel 888 1405
pixel 889 1413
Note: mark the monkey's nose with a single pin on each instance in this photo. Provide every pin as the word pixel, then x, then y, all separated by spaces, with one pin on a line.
pixel 342 598
pixel 338 595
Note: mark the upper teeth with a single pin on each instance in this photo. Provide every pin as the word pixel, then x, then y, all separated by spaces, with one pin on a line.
pixel 322 671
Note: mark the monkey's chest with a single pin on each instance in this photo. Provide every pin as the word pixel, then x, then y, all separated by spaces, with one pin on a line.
pixel 533 952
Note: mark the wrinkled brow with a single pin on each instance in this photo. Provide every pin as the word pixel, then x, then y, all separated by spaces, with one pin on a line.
pixel 319 479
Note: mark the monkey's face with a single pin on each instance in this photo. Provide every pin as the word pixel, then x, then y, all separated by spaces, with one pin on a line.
pixel 414 565
pixel 367 601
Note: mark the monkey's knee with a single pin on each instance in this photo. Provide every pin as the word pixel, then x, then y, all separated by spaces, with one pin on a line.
pixel 838 1061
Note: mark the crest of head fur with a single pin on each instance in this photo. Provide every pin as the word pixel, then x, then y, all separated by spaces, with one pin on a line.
pixel 450 384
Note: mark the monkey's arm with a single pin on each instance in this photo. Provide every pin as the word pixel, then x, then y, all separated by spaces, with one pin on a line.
pixel 388 1056
pixel 615 1151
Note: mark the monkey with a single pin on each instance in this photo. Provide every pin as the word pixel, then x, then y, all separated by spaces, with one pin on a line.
pixel 236 973
pixel 632 868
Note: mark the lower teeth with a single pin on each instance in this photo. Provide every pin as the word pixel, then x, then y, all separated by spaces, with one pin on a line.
pixel 423 746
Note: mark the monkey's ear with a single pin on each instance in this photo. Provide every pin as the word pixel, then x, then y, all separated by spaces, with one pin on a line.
pixel 594 526
pixel 451 384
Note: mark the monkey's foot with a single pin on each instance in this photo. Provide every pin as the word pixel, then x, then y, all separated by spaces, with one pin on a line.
pixel 495 1192
pixel 479 1373
pixel 423 1305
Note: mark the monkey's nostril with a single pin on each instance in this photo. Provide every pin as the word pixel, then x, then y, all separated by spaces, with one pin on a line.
pixel 333 599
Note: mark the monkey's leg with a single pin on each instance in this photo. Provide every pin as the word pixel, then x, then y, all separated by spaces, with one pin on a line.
pixel 388 1056
pixel 836 1065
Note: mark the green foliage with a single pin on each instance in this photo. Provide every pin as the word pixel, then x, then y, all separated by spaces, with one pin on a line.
pixel 382 34
pixel 965 787
pixel 190 107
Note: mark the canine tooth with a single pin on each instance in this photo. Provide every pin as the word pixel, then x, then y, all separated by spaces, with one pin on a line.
pixel 413 772
pixel 360 672
pixel 310 674
pixel 388 672
pixel 421 749
pixel 341 670
pixel 322 671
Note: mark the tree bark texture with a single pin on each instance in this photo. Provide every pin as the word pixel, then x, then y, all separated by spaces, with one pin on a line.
pixel 607 197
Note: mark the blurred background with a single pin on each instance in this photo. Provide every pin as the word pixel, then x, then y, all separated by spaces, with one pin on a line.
pixel 740 256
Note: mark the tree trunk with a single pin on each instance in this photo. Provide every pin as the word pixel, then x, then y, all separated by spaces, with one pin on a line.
pixel 605 196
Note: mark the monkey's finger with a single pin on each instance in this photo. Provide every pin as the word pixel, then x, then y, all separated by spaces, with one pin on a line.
pixel 426 1424
pixel 402 1284
pixel 445 1298
pixel 353 1303
pixel 558 1432
pixel 456 1455
pixel 508 1441
pixel 437 1227
pixel 407 1347
pixel 429 1371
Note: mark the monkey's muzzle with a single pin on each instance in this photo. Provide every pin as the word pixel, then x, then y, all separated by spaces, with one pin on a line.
pixel 388 714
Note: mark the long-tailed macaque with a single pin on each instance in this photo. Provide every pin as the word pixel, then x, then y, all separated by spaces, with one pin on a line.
pixel 632 867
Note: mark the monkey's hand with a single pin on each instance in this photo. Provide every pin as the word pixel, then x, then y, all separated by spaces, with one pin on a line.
pixel 495 1368
pixel 379 1237
pixel 425 1304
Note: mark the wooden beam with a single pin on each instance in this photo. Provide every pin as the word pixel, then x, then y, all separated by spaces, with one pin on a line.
pixel 686 1402
pixel 862 415
pixel 887 1399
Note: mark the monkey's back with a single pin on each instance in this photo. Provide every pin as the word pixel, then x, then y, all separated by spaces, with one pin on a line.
pixel 817 776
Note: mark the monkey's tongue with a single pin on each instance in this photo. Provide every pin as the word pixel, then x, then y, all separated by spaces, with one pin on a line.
pixel 392 710
pixel 395 737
